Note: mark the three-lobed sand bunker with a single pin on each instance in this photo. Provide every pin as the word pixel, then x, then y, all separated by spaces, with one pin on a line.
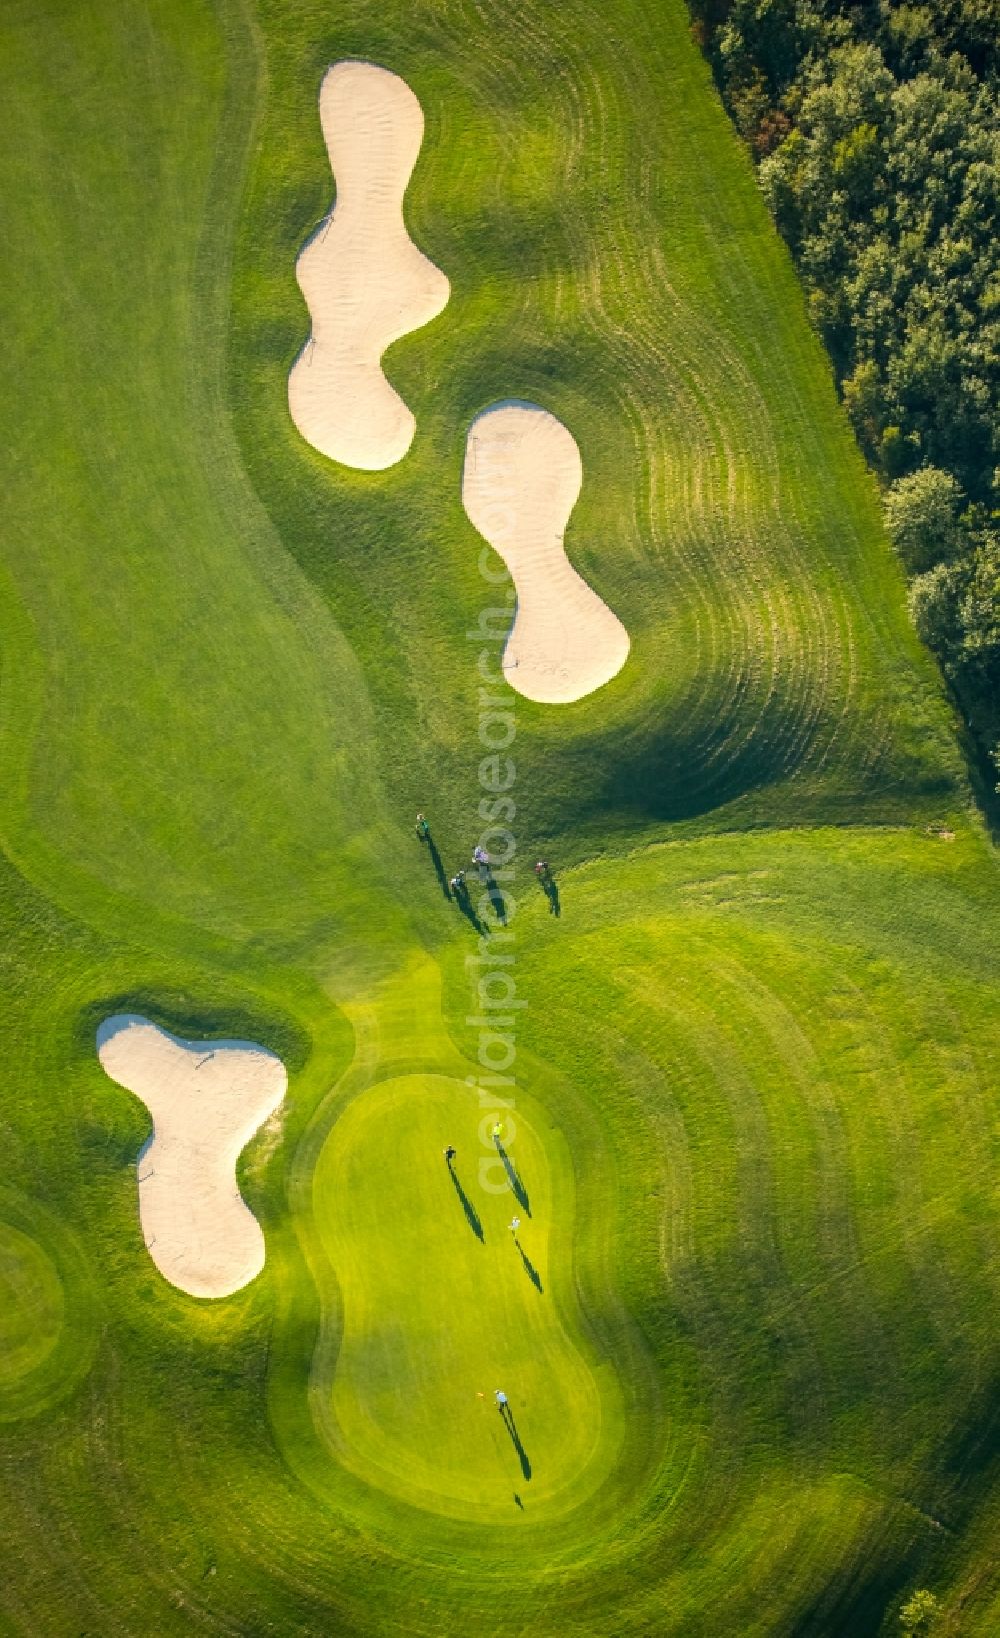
pixel 521 479
pixel 207 1099
pixel 364 280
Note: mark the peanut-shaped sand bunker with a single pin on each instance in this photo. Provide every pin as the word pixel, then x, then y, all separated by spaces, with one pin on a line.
pixel 364 280
pixel 521 480
pixel 207 1099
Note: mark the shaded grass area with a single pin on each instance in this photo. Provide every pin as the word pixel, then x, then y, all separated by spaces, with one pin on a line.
pixel 756 1070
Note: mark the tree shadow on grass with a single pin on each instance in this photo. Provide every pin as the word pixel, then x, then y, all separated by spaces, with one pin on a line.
pixel 856 1601
pixel 909 1548
pixel 507 1416
pixel 513 1178
pixel 529 1267
pixel 969 1462
pixel 471 1214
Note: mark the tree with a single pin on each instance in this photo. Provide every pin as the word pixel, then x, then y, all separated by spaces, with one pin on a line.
pixel 919 1612
pixel 934 603
pixel 979 611
pixel 921 514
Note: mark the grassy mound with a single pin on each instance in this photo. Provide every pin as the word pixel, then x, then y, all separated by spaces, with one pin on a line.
pixel 442 1304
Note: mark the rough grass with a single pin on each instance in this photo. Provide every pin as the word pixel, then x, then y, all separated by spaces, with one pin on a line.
pixel 755 1071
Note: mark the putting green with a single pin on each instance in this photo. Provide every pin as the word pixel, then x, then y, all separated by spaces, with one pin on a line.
pixel 442 1307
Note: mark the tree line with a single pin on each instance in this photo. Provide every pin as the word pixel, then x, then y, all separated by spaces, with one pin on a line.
pixel 875 132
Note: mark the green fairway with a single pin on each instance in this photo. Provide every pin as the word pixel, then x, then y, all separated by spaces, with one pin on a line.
pixel 746 1327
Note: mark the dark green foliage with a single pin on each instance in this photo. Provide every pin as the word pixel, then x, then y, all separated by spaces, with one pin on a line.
pixel 921 513
pixel 955 606
pixel 875 128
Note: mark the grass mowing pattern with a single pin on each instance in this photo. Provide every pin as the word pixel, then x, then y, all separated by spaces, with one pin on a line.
pixel 724 515
pixel 439 1295
pixel 757 1068
pixel 47 1331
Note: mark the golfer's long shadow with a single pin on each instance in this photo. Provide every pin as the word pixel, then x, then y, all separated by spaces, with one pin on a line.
pixel 464 903
pixel 511 1426
pixel 513 1179
pixel 439 870
pixel 529 1268
pixel 471 1214
pixel 497 899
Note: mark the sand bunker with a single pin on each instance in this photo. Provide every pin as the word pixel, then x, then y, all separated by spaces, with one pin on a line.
pixel 364 280
pixel 522 476
pixel 207 1099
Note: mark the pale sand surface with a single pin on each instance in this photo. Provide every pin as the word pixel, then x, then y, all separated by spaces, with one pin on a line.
pixel 207 1099
pixel 521 480
pixel 364 280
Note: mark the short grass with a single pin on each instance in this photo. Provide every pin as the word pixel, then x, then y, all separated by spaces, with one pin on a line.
pixel 746 1327
pixel 444 1302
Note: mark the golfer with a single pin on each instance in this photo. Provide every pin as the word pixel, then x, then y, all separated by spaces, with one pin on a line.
pixel 501 1399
